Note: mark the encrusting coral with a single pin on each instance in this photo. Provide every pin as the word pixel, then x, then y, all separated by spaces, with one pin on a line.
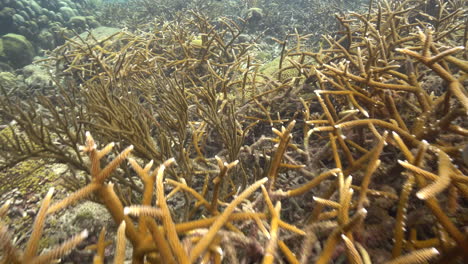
pixel 361 142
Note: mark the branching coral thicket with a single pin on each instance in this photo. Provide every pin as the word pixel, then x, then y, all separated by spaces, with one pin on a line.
pixel 332 156
pixel 272 17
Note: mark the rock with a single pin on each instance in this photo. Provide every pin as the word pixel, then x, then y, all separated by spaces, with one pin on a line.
pixel 18 19
pixel 16 211
pixel 35 7
pixel 46 11
pixel 46 39
pixel 6 19
pixel 33 27
pixel 4 67
pixel 51 15
pixel 31 212
pixel 58 31
pixel 98 34
pixel 18 5
pixel 85 215
pixel 72 5
pixel 92 22
pixel 59 18
pixel 63 3
pixel 37 77
pixel 67 13
pixel 24 14
pixel 30 12
pixel 77 22
pixel 25 31
pixel 59 169
pixel 8 80
pixel 7 12
pixel 34 199
pixel 17 50
pixel 254 14
pixel 42 20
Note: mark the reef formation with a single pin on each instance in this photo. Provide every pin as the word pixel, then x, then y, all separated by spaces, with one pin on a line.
pixel 348 149
pixel 45 23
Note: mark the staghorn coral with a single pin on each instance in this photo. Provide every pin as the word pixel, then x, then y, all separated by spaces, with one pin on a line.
pixel 352 125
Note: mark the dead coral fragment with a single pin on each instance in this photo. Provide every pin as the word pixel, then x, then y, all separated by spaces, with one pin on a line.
pixel 416 257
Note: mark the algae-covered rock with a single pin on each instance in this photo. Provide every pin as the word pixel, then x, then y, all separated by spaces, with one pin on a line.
pixel 17 50
pixel 254 14
pixel 24 15
pixel 6 19
pixel 73 220
pixel 4 67
pixel 18 5
pixel 18 19
pixel 37 77
pixel 271 67
pixel 30 12
pixel 30 176
pixel 77 22
pixel 92 22
pixel 98 34
pixel 6 12
pixel 84 215
pixel 33 27
pixel 43 20
pixel 67 13
pixel 93 3
pixel 8 80
pixel 35 7
pixel 46 39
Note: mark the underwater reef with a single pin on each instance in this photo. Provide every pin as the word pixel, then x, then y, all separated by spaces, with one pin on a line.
pixel 46 23
pixel 197 138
